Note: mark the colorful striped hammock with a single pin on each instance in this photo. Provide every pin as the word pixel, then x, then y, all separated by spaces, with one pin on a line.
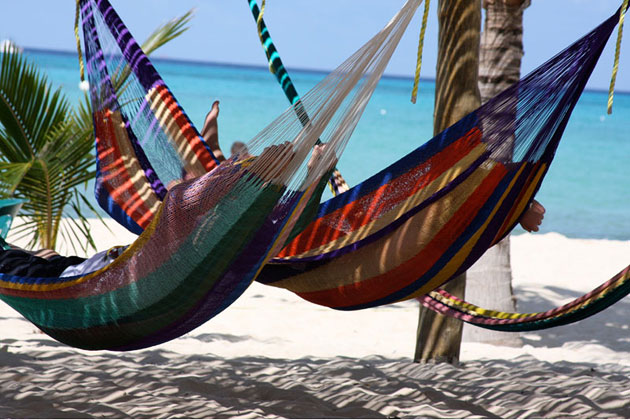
pixel 429 216
pixel 587 305
pixel 441 301
pixel 204 240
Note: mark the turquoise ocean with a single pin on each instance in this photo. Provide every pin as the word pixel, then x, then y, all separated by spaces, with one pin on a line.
pixel 586 192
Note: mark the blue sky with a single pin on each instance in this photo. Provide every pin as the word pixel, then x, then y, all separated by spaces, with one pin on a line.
pixel 314 35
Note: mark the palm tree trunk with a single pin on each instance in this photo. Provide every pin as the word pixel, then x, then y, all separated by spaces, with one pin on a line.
pixel 456 95
pixel 489 281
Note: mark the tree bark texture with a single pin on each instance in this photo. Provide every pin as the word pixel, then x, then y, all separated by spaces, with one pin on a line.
pixel 489 280
pixel 456 95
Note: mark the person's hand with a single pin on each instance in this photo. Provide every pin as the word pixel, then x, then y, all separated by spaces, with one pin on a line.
pixel 533 217
pixel 316 156
pixel 273 161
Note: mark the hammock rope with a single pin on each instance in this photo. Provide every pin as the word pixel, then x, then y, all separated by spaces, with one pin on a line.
pixel 260 24
pixel 78 39
pixel 613 78
pixel 337 183
pixel 416 80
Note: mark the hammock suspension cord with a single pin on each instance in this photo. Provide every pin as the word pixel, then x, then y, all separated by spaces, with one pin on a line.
pixel 613 78
pixel 337 183
pixel 78 39
pixel 416 80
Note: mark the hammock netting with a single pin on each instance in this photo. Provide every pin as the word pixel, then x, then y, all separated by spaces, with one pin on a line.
pixel 337 184
pixel 208 230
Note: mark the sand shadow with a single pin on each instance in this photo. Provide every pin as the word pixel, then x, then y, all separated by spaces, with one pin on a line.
pixel 158 383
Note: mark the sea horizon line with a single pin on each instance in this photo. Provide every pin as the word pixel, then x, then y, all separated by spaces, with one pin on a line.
pixel 263 67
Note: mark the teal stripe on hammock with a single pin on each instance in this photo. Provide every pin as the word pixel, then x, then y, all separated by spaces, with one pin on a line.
pixel 159 319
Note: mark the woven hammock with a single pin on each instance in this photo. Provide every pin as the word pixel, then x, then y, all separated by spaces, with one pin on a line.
pixel 443 302
pixel 429 216
pixel 205 239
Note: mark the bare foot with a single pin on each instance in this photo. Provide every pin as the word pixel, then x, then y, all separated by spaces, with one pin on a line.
pixel 210 131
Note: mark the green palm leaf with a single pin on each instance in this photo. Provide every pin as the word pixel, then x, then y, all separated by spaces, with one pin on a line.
pixel 46 147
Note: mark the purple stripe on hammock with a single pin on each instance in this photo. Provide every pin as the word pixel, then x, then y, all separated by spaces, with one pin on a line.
pixel 105 82
pixel 149 173
pixel 138 62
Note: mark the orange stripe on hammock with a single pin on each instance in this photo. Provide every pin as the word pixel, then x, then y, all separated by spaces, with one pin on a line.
pixel 188 130
pixel 125 194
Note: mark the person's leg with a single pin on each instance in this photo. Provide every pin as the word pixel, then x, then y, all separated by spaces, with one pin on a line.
pixel 210 131
pixel 18 262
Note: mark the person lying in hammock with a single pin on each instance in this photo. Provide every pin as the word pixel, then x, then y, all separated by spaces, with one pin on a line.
pixel 530 221
pixel 47 263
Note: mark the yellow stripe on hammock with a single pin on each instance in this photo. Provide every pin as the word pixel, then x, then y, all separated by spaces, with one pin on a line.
pixel 460 257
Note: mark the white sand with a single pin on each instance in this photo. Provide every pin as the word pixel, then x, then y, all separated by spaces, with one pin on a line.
pixel 273 355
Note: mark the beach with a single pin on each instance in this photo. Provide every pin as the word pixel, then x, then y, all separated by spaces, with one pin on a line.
pixel 272 354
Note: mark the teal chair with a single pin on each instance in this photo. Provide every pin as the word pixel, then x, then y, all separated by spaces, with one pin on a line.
pixel 8 210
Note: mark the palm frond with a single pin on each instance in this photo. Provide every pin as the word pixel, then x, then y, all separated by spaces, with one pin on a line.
pixel 167 32
pixel 29 108
pixel 46 148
